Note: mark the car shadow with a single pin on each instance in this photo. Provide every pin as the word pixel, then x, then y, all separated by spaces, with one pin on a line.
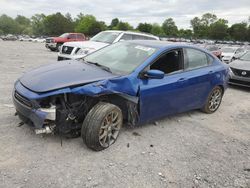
pixel 241 88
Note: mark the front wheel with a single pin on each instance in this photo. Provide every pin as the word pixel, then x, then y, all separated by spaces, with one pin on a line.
pixel 101 126
pixel 213 101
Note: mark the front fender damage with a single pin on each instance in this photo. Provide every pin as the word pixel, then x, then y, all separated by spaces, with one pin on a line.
pixel 74 103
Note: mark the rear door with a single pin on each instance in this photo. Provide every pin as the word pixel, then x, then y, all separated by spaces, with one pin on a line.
pixel 184 87
pixel 198 66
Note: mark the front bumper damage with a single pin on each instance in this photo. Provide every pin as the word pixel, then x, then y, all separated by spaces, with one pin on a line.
pixel 43 119
pixel 66 108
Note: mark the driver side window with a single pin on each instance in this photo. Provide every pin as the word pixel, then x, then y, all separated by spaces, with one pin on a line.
pixel 169 62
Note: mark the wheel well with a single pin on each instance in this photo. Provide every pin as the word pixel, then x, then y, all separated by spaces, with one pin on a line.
pixel 129 109
pixel 223 89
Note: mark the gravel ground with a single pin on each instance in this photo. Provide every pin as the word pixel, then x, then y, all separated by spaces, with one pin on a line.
pixel 186 150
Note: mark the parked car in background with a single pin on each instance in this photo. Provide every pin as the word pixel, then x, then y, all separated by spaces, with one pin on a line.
pixel 10 37
pixel 39 39
pixel 231 53
pixel 53 43
pixel 76 50
pixel 130 82
pixel 25 38
pixel 214 50
pixel 240 71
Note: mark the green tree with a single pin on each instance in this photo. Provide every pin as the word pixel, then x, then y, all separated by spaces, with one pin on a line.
pixel 144 27
pixel 208 19
pixel 201 25
pixel 248 33
pixel 114 23
pixel 157 30
pixel 57 24
pixel 123 26
pixel 37 24
pixel 185 33
pixel 169 27
pixel 238 31
pixel 24 25
pixel 89 25
pixel 8 25
pixel 218 30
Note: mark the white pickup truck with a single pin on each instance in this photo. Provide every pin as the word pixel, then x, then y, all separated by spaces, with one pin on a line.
pixel 77 50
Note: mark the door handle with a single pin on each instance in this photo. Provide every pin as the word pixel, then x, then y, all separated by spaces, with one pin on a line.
pixel 211 72
pixel 182 79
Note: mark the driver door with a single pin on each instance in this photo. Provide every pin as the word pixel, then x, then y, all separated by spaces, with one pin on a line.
pixel 160 97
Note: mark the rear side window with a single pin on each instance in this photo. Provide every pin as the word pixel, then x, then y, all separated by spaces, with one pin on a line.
pixel 79 36
pixel 126 37
pixel 138 37
pixel 72 36
pixel 196 59
pixel 149 38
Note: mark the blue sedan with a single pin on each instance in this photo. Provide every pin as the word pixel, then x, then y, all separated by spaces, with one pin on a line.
pixel 131 82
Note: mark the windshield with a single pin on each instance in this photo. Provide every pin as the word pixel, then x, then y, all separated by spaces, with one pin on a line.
pixel 106 37
pixel 64 35
pixel 245 57
pixel 122 57
pixel 228 50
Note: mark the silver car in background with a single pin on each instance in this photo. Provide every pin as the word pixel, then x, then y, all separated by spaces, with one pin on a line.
pixel 240 71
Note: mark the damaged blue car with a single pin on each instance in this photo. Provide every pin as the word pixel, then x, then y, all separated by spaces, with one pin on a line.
pixel 131 82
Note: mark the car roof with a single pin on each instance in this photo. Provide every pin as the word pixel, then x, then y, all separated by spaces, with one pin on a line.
pixel 75 33
pixel 133 32
pixel 161 44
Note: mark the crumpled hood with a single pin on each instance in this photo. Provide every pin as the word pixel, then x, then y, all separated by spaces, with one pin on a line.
pixel 242 65
pixel 63 74
pixel 86 44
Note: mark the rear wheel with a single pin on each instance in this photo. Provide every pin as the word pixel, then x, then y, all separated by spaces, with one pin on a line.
pixel 213 101
pixel 101 126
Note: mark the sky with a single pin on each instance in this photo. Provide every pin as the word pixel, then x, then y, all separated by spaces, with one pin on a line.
pixel 133 11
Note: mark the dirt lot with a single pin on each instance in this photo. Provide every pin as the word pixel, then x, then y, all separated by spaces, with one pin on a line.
pixel 187 150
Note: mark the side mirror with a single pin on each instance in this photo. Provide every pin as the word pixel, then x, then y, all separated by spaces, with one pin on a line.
pixel 154 74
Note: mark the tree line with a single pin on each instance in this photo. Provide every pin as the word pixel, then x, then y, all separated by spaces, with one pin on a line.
pixel 208 26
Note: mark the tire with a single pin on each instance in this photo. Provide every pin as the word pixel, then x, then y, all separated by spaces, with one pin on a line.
pixel 52 49
pixel 58 46
pixel 101 126
pixel 213 101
